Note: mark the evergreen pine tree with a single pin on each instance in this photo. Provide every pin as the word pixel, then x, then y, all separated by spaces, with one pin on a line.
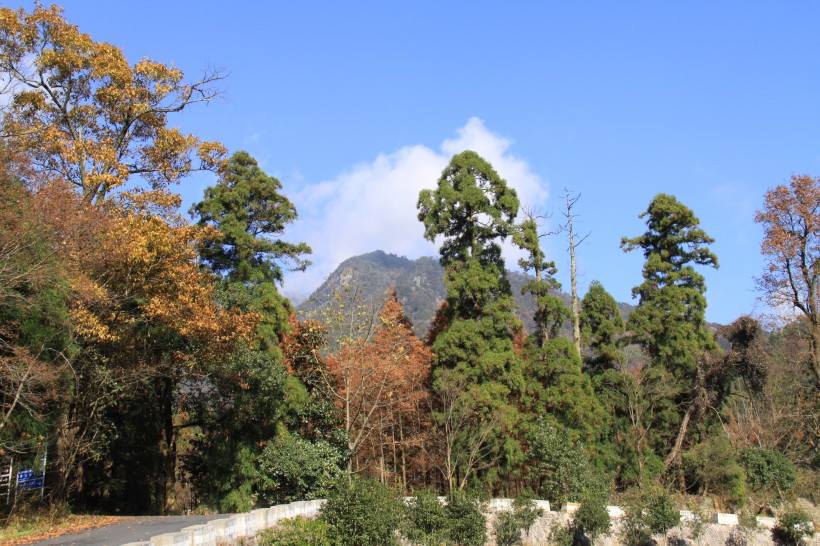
pixel 669 321
pixel 473 210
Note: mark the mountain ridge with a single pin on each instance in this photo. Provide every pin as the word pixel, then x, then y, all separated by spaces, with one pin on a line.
pixel 419 286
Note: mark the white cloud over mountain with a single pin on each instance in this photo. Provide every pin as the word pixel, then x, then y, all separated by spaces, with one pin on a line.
pixel 373 205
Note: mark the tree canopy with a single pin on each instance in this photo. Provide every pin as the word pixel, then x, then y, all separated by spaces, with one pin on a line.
pixel 85 115
pixel 247 208
pixel 670 318
pixel 790 217
pixel 601 327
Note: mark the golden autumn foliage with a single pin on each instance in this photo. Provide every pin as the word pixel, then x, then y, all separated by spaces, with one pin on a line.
pixel 132 266
pixel 302 345
pixel 85 115
pixel 86 142
pixel 143 318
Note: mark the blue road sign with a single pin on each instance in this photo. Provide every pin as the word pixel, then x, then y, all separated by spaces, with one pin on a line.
pixel 28 479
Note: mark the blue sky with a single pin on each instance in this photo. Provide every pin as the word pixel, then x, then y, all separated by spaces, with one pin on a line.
pixel 356 106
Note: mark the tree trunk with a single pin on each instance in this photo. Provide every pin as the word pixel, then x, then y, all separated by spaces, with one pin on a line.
pixel 679 440
pixel 815 353
pixel 403 454
pixel 576 311
pixel 168 447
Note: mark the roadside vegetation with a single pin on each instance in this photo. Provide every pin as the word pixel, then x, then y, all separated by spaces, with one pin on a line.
pixel 150 364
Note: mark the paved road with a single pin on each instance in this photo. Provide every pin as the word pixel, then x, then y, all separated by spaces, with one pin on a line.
pixel 133 530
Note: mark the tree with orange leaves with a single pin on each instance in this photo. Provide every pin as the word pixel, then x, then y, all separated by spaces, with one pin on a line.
pixel 371 355
pixel 302 347
pixel 85 115
pixel 401 418
pixel 144 316
pixel 791 246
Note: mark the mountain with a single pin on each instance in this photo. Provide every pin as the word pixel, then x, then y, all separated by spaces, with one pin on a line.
pixel 419 287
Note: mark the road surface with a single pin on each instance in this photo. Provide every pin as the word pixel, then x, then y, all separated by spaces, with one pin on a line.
pixel 134 530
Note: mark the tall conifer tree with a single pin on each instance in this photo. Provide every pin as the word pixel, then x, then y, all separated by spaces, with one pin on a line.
pixel 669 321
pixel 550 311
pixel 473 210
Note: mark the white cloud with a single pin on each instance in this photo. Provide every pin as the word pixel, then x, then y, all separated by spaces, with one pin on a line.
pixel 373 205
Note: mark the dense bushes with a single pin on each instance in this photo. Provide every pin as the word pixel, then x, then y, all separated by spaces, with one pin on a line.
pixel 296 532
pixel 511 525
pixel 711 467
pixel 592 519
pixel 292 468
pixel 766 468
pixel 362 511
pixel 558 466
pixel 426 520
pixel 793 526
pixel 466 525
pixel 648 512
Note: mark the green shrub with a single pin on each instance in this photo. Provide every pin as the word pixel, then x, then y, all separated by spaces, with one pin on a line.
pixel 511 525
pixel 697 524
pixel 362 511
pixel 767 468
pixel 558 465
pixel 592 519
pixel 793 526
pixel 297 531
pixel 293 469
pixel 650 511
pixel 426 519
pixel 562 535
pixel 466 524
pixel 711 466
pixel 661 514
pixel 507 530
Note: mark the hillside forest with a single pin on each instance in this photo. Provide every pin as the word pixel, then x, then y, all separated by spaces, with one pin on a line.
pixel 155 360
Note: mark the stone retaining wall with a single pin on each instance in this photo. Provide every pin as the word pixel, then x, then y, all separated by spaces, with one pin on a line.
pixel 227 529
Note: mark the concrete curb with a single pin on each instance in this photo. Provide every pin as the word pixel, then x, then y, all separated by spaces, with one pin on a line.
pixel 228 529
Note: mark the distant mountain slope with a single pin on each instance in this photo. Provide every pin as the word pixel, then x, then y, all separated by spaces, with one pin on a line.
pixel 419 286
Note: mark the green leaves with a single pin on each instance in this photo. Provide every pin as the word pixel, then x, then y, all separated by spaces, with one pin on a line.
pixel 472 208
pixel 601 328
pixel 550 312
pixel 669 320
pixel 648 511
pixel 476 368
pixel 558 466
pixel 767 468
pixel 362 511
pixel 557 387
pixel 248 210
pixel 292 468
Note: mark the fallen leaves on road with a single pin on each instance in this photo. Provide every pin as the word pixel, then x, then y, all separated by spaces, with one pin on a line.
pixel 71 524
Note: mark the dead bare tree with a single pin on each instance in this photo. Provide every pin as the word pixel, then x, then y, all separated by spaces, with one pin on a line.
pixel 574 241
